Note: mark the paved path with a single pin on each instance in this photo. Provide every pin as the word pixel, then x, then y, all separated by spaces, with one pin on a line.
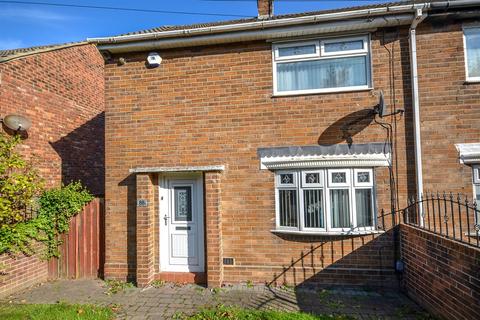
pixel 168 300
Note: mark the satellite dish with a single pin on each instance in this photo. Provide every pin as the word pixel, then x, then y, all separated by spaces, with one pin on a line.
pixel 17 122
pixel 381 108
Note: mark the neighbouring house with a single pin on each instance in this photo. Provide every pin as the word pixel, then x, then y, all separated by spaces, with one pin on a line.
pixel 59 88
pixel 255 149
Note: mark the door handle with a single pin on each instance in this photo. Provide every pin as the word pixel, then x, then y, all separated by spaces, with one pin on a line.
pixel 166 219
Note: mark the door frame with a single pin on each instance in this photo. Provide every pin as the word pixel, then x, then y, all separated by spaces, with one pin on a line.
pixel 165 205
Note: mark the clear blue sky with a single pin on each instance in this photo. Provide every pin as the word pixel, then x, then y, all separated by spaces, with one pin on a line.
pixel 25 25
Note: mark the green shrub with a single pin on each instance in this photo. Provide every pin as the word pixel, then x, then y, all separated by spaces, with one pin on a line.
pixel 21 188
pixel 19 182
pixel 56 207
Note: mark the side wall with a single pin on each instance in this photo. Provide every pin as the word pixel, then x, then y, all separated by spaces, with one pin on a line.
pixel 62 93
pixel 442 275
pixel 449 107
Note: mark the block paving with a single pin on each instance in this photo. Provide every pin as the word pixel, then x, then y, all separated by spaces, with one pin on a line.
pixel 170 300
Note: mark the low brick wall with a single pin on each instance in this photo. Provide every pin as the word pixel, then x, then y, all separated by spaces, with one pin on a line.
pixel 20 272
pixel 441 275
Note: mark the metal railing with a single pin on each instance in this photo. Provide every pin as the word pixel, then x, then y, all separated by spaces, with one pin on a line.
pixel 452 216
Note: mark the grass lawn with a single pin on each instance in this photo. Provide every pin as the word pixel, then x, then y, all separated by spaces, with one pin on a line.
pixel 54 311
pixel 223 313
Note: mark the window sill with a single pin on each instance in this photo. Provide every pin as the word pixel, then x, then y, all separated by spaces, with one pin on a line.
pixel 309 93
pixel 472 81
pixel 327 233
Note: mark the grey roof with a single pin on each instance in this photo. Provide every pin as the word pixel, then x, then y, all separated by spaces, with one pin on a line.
pixel 9 54
pixel 275 17
pixel 323 150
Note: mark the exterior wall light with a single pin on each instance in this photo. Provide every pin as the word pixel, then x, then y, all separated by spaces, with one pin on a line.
pixel 16 123
pixel 154 59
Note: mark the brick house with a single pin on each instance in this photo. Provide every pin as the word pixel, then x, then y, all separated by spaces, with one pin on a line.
pixel 253 150
pixel 59 88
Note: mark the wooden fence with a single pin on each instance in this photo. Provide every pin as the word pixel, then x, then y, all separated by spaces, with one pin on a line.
pixel 82 250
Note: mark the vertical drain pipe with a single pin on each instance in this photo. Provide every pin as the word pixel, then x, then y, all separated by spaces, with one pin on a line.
pixel 419 17
pixel 412 38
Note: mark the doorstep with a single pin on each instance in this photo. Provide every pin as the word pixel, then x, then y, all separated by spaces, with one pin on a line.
pixel 182 277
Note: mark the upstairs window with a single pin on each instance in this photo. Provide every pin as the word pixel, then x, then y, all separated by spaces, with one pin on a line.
pixel 329 65
pixel 325 200
pixel 472 53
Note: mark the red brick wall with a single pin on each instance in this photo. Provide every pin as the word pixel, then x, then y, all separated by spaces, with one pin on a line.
pixel 214 105
pixel 213 228
pixel 61 92
pixel 450 107
pixel 17 273
pixel 442 275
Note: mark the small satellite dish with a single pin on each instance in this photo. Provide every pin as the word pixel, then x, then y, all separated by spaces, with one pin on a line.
pixel 381 108
pixel 17 122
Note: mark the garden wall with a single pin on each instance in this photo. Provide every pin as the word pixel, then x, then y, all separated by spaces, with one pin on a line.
pixel 442 275
pixel 20 272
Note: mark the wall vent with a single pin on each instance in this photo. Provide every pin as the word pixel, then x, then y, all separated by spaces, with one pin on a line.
pixel 228 261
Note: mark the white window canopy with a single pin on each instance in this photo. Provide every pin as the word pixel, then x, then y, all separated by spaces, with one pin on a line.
pixel 332 156
pixel 469 153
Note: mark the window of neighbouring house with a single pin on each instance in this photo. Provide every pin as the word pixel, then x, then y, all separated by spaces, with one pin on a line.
pixel 476 182
pixel 325 200
pixel 476 189
pixel 472 52
pixel 325 65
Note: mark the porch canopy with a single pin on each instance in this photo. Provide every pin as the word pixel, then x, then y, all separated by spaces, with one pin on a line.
pixel 177 169
pixel 375 154
pixel 469 153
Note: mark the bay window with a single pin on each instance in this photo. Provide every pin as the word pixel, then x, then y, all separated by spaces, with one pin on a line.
pixel 336 64
pixel 325 200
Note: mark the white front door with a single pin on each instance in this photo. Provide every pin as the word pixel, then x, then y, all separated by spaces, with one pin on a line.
pixel 181 224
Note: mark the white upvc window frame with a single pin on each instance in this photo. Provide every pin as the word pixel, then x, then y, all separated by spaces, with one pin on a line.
pixel 305 185
pixel 297 56
pixel 322 55
pixel 476 186
pixel 476 181
pixel 347 185
pixel 282 186
pixel 357 183
pixel 476 174
pixel 364 39
pixel 465 53
pixel 326 184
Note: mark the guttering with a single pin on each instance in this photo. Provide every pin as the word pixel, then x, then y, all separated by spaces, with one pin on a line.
pixel 419 17
pixel 262 25
pixel 264 34
pixel 454 4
